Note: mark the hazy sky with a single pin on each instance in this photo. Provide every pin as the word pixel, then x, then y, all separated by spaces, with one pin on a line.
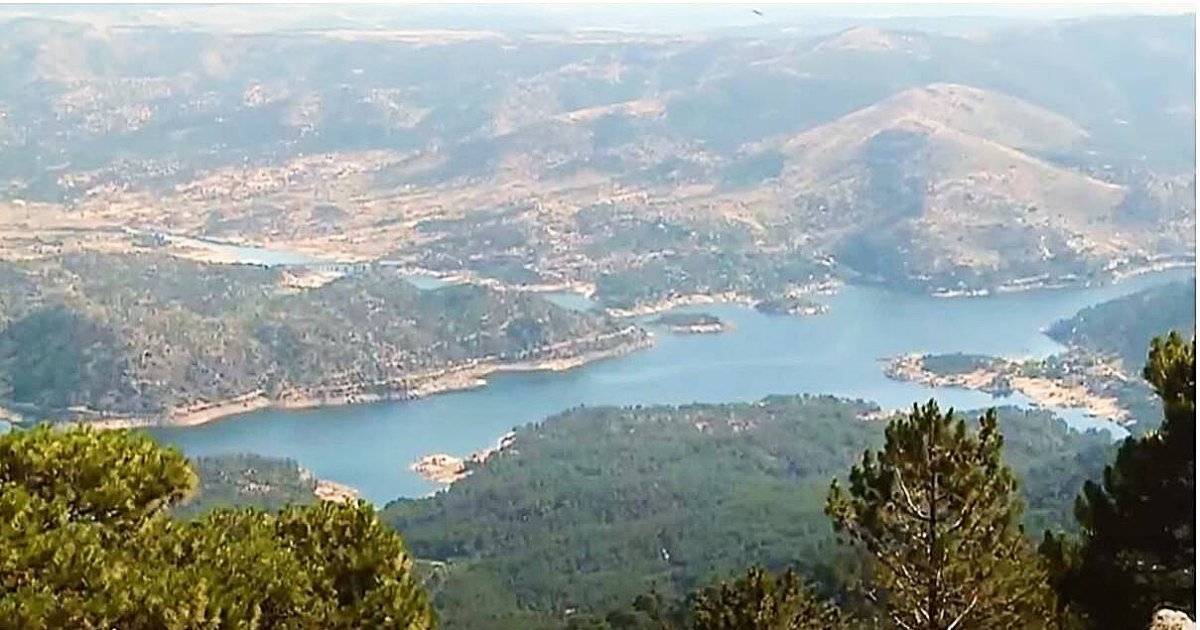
pixel 570 15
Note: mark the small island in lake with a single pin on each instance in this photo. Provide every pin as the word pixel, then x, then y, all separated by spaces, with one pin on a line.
pixel 1070 379
pixel 447 469
pixel 791 305
pixel 691 323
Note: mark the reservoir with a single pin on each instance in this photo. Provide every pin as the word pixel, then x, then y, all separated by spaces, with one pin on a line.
pixel 370 447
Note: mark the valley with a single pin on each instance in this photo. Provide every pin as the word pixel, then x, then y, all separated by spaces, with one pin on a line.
pixel 592 507
pixel 600 164
pixel 371 447
pixel 603 318
pixel 334 222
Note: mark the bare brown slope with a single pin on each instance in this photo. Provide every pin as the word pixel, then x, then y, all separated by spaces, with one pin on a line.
pixel 945 178
pixel 1002 119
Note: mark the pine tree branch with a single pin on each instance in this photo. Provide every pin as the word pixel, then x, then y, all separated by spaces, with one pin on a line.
pixel 914 511
pixel 963 614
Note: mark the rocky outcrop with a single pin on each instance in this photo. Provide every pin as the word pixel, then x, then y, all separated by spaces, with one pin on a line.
pixel 446 469
pixel 1167 619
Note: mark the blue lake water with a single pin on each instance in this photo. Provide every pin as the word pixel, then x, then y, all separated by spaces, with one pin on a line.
pixel 573 301
pixel 371 446
pixel 248 254
pixel 425 282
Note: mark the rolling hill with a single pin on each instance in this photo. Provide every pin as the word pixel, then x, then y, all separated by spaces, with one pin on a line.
pixel 151 338
pixel 946 185
pixel 701 163
pixel 595 506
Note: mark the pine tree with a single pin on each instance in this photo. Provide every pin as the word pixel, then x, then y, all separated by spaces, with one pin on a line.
pixel 86 542
pixel 760 601
pixel 1137 550
pixel 939 513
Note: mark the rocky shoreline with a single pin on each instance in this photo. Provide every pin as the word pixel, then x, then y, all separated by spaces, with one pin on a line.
pixel 700 329
pixel 681 301
pixel 1002 376
pixel 464 376
pixel 824 287
pixel 447 469
pixel 796 306
pixel 691 324
pixel 1115 273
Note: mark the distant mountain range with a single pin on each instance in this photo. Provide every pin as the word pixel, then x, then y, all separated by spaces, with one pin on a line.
pixel 1027 154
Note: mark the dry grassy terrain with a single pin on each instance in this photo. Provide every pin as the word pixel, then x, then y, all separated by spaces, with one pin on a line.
pixel 921 159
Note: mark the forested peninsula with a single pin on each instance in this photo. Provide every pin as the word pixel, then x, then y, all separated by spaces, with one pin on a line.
pixel 125 340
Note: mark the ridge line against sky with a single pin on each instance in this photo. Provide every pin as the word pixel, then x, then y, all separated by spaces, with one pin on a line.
pixel 626 16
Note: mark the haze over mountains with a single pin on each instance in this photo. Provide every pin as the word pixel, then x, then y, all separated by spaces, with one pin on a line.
pixel 955 155
pixel 231 227
pixel 645 169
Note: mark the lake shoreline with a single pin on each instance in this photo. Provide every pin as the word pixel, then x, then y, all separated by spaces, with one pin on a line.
pixel 445 469
pixel 1116 276
pixel 825 287
pixel 1042 392
pixel 448 380
pixel 371 447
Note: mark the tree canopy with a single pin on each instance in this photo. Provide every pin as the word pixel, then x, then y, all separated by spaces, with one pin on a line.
pixel 596 506
pixel 761 601
pixel 86 542
pixel 1137 545
pixel 938 512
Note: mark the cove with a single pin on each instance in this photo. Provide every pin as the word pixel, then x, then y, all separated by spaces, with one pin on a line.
pixel 371 446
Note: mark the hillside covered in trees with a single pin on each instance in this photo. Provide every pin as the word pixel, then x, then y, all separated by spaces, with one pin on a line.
pixel 1099 369
pixel 595 506
pixel 928 522
pixel 148 335
pixel 247 480
pixel 1124 327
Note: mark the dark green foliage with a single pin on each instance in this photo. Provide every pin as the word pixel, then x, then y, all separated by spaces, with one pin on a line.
pixel 578 515
pixel 85 542
pixel 1125 326
pixel 596 506
pixel 247 480
pixel 683 320
pixel 939 513
pixel 472 596
pixel 955 363
pixel 83 477
pixel 719 271
pixel 754 600
pixel 1051 462
pixel 144 334
pixel 761 601
pixel 55 357
pixel 1137 550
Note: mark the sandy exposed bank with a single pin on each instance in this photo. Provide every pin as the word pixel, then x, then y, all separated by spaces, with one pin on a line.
pixel 447 469
pixel 700 329
pixel 327 490
pixel 683 300
pixel 1042 391
pixel 460 377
